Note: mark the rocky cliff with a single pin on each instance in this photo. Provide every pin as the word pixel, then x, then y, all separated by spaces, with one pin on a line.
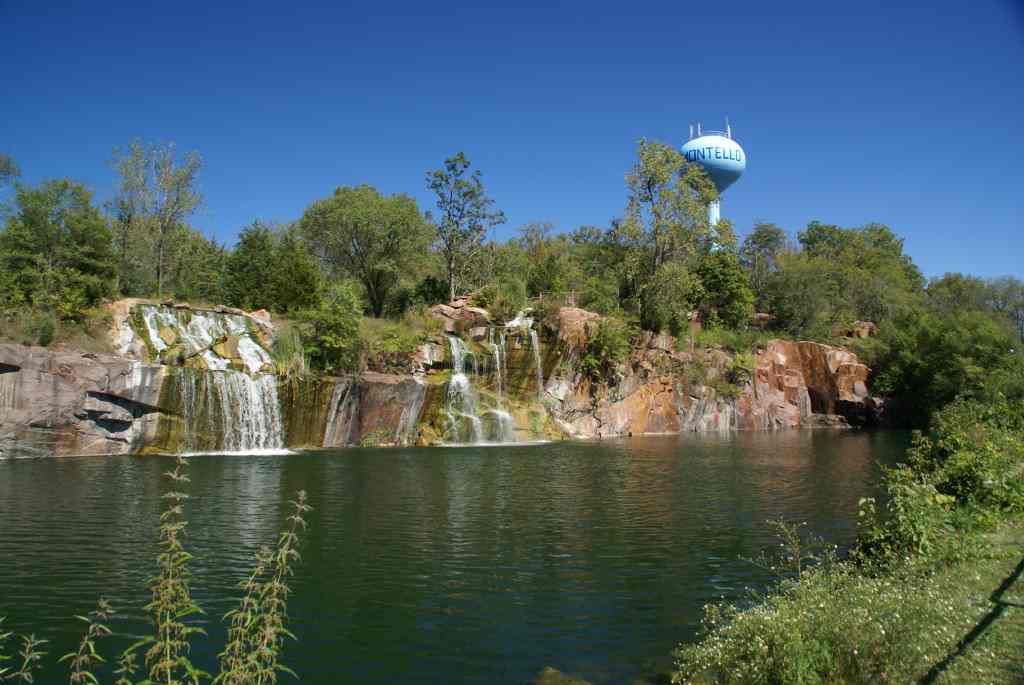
pixel 190 379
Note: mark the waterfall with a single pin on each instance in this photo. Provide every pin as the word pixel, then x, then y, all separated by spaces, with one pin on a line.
pixel 535 344
pixel 406 430
pixel 467 422
pixel 344 404
pixel 461 401
pixel 229 411
pixel 198 330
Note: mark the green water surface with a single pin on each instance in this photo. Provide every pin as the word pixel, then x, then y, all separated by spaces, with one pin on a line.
pixel 441 565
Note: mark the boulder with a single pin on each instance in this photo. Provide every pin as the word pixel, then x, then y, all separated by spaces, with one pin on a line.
pixel 575 325
pixel 428 355
pixel 54 403
pixel 227 347
pixel 262 316
pixel 458 316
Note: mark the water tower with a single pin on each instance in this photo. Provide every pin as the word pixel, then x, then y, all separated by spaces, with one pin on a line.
pixel 720 156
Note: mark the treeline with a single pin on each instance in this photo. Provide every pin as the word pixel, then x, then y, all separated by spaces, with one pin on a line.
pixel 361 253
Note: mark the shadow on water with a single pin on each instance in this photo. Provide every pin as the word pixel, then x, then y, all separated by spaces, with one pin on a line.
pixel 449 564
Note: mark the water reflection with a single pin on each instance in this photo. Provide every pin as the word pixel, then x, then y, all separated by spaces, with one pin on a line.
pixel 446 565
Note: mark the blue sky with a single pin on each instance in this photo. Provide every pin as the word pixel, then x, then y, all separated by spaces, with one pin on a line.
pixel 849 112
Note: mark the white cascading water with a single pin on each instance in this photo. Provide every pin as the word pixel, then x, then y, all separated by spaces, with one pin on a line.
pixel 538 364
pixel 461 402
pixel 504 427
pixel 199 333
pixel 242 410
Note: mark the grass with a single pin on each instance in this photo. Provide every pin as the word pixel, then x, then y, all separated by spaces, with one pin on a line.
pixel 43 328
pixel 916 622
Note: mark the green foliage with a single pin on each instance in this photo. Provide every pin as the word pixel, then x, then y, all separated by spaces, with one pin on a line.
pixel 605 350
pixel 85 659
pixel 667 204
pixel 465 215
pixel 364 235
pixel 670 297
pixel 503 299
pixel 926 359
pixel 55 251
pixel 759 257
pixel 171 608
pixel 289 354
pixel 841 275
pixel 330 332
pixel 389 344
pixel 727 298
pixel 271 268
pixel 748 340
pixel 257 631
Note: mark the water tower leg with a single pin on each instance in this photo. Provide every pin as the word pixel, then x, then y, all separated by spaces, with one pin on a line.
pixel 714 213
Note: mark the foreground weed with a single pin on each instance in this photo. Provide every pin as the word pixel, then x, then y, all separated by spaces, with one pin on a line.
pixel 86 658
pixel 172 604
pixel 256 631
pixel 257 626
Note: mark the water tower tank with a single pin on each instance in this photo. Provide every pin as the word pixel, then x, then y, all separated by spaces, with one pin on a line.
pixel 721 157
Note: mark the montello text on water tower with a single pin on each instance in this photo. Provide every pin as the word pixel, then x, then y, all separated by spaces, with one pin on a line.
pixel 720 156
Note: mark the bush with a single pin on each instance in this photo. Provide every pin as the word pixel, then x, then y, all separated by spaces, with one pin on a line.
pixel 669 299
pixel 504 299
pixel 605 350
pixel 727 298
pixel 834 625
pixel 331 332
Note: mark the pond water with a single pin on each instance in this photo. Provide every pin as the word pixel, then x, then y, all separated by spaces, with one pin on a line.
pixel 464 564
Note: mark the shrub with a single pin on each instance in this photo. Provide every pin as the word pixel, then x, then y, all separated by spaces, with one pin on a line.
pixel 669 299
pixel 330 332
pixel 608 347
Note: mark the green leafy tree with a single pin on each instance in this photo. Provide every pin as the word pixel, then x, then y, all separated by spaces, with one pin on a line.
pixel 727 298
pixel 297 281
pixel 271 268
pixel 928 358
pixel 250 268
pixel 56 250
pixel 196 267
pixel 331 331
pixel 8 170
pixel 367 236
pixel 759 256
pixel 668 202
pixel 156 193
pixel 673 294
pixel 465 214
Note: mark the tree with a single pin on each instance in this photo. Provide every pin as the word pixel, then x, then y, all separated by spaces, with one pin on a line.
pixel 56 249
pixel 930 357
pixel 131 210
pixel 672 295
pixel 1007 297
pixel 8 170
pixel 297 281
pixel 176 196
pixel 727 298
pixel 330 332
pixel 668 202
pixel 196 268
pixel 465 215
pixel 759 256
pixel 271 268
pixel 367 236
pixel 250 268
pixel 156 193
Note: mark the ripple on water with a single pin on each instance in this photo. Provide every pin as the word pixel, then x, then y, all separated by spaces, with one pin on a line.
pixel 459 564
